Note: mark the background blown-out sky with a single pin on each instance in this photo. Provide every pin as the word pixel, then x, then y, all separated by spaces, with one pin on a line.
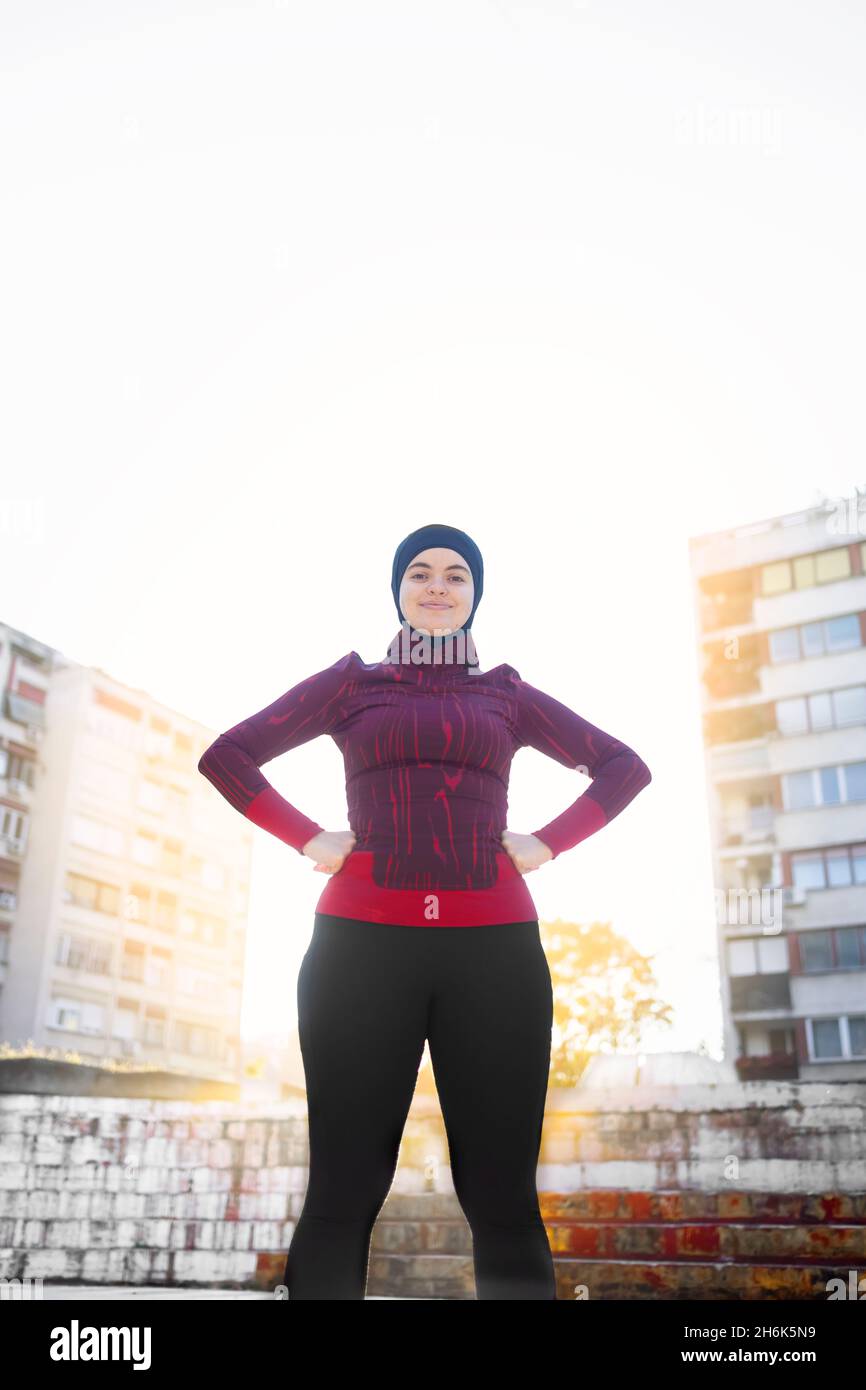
pixel 283 281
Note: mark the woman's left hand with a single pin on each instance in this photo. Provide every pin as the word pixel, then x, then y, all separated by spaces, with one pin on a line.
pixel 527 852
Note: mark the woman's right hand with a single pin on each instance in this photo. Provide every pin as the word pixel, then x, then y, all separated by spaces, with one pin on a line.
pixel 329 849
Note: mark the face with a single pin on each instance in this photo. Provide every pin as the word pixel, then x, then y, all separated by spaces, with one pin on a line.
pixel 437 592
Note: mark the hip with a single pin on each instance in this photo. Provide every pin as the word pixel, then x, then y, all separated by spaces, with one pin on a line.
pixel 355 893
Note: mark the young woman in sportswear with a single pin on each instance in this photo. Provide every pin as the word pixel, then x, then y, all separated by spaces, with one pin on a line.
pixel 426 929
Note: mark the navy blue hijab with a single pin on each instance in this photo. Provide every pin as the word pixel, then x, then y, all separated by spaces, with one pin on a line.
pixel 447 536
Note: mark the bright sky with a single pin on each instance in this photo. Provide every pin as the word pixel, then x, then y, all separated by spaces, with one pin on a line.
pixel 284 281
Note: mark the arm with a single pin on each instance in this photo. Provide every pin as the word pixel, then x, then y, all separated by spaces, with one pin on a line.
pixel 233 760
pixel 617 773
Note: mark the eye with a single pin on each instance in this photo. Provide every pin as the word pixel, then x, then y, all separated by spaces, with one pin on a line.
pixel 420 574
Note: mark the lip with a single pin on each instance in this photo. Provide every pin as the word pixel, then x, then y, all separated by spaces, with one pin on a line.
pixel 435 605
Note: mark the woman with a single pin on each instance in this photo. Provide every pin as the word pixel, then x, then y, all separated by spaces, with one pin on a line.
pixel 426 929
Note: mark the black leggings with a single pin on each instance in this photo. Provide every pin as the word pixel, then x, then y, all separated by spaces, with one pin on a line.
pixel 369 994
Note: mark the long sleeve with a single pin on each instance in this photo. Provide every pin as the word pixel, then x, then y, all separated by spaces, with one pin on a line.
pixel 233 761
pixel 617 772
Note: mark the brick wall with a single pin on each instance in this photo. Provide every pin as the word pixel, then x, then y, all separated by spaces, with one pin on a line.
pixel 175 1192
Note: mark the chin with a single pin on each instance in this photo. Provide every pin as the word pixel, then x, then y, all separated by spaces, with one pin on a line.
pixel 437 617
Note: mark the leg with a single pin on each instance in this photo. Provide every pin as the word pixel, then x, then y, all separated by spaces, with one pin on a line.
pixel 362 1013
pixel 490 1029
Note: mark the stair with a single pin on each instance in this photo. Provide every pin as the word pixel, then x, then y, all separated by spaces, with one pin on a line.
pixel 615 1245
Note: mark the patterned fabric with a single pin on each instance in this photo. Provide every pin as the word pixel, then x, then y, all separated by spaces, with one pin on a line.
pixel 427 750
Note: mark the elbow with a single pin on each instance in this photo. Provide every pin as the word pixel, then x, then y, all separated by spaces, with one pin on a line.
pixel 640 776
pixel 204 762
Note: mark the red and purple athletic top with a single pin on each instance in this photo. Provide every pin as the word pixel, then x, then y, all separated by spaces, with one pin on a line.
pixel 427 749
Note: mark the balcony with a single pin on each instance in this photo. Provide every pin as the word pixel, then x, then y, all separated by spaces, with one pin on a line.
pixel 751 994
pixel 732 612
pixel 21 710
pixel 771 1066
pixel 727 679
pixel 754 827
pixel 752 757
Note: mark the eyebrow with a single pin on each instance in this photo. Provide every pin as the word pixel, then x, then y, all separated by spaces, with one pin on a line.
pixel 425 564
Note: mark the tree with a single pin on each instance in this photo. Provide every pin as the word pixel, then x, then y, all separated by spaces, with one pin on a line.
pixel 604 994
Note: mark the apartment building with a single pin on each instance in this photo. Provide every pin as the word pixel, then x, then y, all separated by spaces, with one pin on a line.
pixel 124 881
pixel 780 611
pixel 25 671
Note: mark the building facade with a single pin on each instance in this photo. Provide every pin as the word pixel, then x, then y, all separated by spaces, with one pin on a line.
pixel 124 882
pixel 780 609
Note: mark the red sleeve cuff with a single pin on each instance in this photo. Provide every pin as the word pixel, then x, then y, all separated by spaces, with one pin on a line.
pixel 273 813
pixel 578 822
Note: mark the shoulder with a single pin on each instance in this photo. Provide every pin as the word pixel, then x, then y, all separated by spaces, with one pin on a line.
pixel 322 684
pixel 504 675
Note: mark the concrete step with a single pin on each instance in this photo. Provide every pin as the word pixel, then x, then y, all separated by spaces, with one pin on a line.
pixel 451 1277
pixel 638 1245
pixel 672 1226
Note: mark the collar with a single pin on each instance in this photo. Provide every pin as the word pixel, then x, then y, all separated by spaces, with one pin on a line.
pixel 432 658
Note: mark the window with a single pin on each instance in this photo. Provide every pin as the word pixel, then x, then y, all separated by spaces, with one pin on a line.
pixel 849 705
pixel 842 633
pixel 830 868
pixel 808 871
pixel 826 1038
pixel 831 565
pixel 761 955
pixel 785 645
pixel 76 1015
pixel 13 827
pixel 838 868
pixel 144 849
pixel 132 965
pixel 855 781
pixel 829 782
pixel 154 1029
pixel 138 903
pixel 851 947
pixel 776 578
pixel 172 858
pixel 91 893
pixel 166 911
pixel 857 1036
pixel 157 743
pixel 835 948
pixel 125 1023
pixel 91 834
pixel 822 567
pixel 831 1039
pixel 824 786
pixel 84 953
pixel 816 950
pixel 798 790
pixel 196 1040
pixel 820 712
pixel 113 727
pixel 804 572
pixel 158 970
pixel 17 768
pixel 815 639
